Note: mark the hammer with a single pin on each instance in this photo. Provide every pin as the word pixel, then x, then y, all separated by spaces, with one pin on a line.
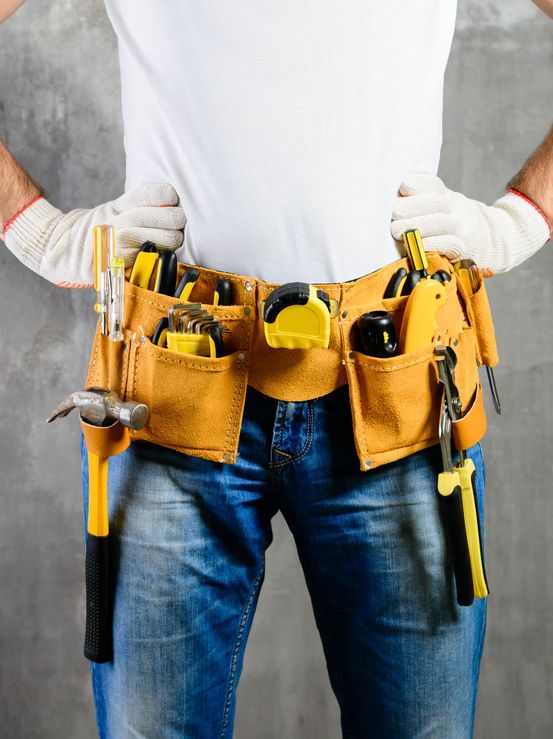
pixel 105 422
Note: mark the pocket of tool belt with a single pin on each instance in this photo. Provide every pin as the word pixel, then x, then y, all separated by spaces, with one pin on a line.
pixel 396 401
pixel 195 402
pixel 480 318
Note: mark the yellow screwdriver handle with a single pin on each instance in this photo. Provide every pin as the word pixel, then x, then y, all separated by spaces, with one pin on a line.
pixel 415 250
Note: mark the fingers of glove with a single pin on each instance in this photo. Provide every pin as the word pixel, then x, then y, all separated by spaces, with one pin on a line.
pixel 170 218
pixel 432 224
pixel 414 184
pixel 419 205
pixel 448 244
pixel 131 239
pixel 148 194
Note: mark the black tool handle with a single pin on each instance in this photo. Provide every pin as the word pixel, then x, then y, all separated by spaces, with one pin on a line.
pixel 392 290
pixel 223 288
pixel 98 636
pixel 457 536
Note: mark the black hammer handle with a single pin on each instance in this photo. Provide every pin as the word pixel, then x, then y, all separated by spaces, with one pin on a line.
pixel 98 637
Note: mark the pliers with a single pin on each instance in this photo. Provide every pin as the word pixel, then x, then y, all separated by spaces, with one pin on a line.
pixel 456 485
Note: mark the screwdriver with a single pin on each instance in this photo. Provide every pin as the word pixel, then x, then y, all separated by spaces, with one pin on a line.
pixel 470 277
pixel 100 275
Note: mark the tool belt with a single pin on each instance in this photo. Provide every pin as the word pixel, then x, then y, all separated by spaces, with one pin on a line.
pixel 196 403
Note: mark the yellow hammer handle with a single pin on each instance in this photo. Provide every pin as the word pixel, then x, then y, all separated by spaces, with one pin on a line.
pixel 97 522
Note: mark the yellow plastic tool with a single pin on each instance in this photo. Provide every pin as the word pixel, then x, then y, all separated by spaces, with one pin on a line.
pixel 144 268
pixel 415 251
pixel 200 344
pixel 297 316
pixel 419 324
pixel 467 474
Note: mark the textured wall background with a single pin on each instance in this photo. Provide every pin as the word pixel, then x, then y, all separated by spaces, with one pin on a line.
pixel 59 114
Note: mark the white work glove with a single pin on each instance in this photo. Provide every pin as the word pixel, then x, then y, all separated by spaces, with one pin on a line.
pixel 60 246
pixel 496 237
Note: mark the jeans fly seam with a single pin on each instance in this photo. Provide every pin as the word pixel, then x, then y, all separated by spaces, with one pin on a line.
pixel 236 650
pixel 306 446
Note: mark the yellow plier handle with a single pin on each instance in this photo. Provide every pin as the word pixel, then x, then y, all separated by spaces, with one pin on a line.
pixel 467 475
pixel 450 490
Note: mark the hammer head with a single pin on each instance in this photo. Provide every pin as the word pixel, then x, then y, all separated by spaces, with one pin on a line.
pixel 102 407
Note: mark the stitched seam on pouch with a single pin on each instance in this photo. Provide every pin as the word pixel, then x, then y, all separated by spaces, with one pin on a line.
pixel 238 386
pixel 124 372
pixel 378 368
pixel 187 363
pixel 361 419
pixel 94 365
pixel 134 372
pixel 429 439
pixel 163 308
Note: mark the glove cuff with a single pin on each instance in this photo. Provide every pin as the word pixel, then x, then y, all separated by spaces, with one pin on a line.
pixel 25 233
pixel 536 207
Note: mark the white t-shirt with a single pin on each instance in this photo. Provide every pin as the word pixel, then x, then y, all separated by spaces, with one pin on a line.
pixel 285 126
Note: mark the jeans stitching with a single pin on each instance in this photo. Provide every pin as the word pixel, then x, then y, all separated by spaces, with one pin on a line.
pixel 306 446
pixel 236 650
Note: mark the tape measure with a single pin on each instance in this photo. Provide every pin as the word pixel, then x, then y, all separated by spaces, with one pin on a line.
pixel 297 316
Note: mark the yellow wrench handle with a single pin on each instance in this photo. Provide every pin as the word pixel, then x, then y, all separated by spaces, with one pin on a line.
pixel 467 474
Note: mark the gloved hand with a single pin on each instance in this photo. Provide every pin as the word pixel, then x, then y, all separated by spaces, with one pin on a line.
pixel 59 246
pixel 496 237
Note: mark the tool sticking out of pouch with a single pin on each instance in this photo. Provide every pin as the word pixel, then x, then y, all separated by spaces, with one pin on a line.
pixel 297 316
pixel 194 331
pixel 403 282
pixel 183 290
pixel 377 334
pixel 457 488
pixel 144 265
pixel 470 277
pixel 419 324
pixel 109 282
pixel 105 421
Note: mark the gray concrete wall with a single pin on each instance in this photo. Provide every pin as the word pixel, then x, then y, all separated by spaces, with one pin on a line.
pixel 59 108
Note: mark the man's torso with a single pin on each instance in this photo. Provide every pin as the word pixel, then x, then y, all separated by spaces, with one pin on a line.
pixel 285 127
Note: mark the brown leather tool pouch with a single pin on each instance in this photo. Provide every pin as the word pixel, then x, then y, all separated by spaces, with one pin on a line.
pixel 196 403
pixel 396 401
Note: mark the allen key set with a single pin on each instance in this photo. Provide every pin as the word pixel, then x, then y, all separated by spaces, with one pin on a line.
pixel 194 331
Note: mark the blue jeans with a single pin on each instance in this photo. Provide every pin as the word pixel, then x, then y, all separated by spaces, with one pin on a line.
pixel 189 539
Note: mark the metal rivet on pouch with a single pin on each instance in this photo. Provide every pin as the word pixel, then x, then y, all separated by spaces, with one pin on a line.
pixel 344 314
pixel 455 342
pixel 351 355
pixel 368 463
pixel 241 356
pixel 227 456
pixel 248 285
pixel 247 311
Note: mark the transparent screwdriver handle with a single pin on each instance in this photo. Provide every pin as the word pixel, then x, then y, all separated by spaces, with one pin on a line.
pixel 116 298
